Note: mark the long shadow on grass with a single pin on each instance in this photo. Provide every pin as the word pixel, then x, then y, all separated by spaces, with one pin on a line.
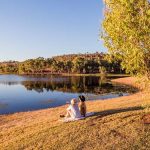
pixel 115 111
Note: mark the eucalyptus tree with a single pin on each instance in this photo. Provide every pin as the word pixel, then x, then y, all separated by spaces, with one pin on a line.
pixel 126 34
pixel 78 65
pixel 68 66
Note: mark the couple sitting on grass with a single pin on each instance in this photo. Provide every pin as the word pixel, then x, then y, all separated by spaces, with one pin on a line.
pixel 75 111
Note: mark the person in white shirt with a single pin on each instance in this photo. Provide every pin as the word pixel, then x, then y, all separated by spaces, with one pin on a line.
pixel 73 110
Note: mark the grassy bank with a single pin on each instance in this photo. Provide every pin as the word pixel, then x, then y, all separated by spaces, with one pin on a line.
pixel 117 124
pixel 72 74
pixel 96 74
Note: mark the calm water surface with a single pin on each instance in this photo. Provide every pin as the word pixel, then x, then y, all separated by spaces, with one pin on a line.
pixel 25 93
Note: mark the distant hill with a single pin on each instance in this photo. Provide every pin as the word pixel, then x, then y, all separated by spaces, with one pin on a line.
pixel 72 63
pixel 73 56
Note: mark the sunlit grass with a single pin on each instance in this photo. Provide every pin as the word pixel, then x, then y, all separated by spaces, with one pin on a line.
pixel 117 124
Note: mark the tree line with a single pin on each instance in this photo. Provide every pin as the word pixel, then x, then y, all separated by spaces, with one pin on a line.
pixel 73 63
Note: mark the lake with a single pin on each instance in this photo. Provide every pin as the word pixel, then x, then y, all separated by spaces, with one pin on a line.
pixel 26 93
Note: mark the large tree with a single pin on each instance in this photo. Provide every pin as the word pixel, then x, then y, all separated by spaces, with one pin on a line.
pixel 126 33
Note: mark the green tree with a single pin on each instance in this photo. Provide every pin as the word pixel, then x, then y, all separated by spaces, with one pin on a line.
pixel 68 66
pixel 92 66
pixel 126 33
pixel 78 65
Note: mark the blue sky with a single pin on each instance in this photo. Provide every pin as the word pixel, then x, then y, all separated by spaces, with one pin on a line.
pixel 33 28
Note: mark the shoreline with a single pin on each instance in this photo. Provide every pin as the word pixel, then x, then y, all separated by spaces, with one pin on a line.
pixel 32 110
pixel 124 80
pixel 71 74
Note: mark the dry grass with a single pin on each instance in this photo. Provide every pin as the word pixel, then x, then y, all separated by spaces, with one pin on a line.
pixel 117 125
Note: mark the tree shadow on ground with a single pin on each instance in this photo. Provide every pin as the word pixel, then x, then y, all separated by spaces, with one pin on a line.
pixel 115 111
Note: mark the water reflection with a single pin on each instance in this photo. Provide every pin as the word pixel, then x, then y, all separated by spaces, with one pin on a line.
pixel 96 85
pixel 23 93
pixel 3 105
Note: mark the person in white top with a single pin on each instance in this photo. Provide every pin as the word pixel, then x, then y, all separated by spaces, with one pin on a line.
pixel 73 110
pixel 73 113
